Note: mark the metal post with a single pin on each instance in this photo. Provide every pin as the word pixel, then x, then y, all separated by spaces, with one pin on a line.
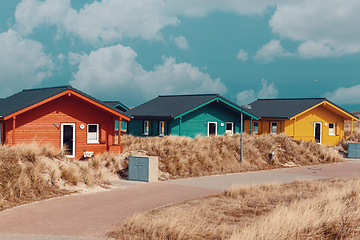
pixel 241 137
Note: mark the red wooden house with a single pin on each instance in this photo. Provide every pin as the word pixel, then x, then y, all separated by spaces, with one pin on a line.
pixel 63 117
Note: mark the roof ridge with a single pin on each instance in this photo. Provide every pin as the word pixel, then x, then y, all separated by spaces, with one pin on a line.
pixel 187 95
pixel 43 88
pixel 291 98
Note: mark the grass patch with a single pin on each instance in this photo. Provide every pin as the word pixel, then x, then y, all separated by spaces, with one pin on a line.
pixel 325 209
pixel 181 157
pixel 32 172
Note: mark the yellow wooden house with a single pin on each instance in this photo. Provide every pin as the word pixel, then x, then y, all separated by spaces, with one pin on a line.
pixel 309 119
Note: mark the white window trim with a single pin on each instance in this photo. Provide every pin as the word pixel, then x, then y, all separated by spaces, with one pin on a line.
pixel 161 134
pixel 272 128
pixel 253 127
pixel 232 128
pixel 62 135
pixel 332 134
pixel 146 131
pixel 97 134
pixel 215 128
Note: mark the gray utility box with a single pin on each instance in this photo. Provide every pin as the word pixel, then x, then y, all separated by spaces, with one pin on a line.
pixel 143 168
pixel 354 150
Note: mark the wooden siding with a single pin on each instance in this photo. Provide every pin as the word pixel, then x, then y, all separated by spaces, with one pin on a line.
pixel 192 124
pixel 43 125
pixel 302 128
pixel 136 128
pixel 195 123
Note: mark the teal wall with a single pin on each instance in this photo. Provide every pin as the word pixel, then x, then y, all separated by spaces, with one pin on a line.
pixel 123 125
pixel 135 127
pixel 194 123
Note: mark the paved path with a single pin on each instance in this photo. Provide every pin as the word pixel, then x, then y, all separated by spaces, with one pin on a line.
pixel 93 215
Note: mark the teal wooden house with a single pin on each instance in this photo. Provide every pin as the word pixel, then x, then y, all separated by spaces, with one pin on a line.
pixel 187 115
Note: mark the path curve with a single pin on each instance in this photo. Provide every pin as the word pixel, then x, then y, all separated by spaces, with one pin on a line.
pixel 93 215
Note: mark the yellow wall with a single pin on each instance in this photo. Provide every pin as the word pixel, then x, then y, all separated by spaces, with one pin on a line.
pixel 303 126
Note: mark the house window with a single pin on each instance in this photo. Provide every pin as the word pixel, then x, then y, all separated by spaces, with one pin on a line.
pixel 146 128
pixel 1 126
pixel 116 132
pixel 161 128
pixel 273 127
pixel 229 128
pixel 93 133
pixel 256 127
pixel 332 129
pixel 212 128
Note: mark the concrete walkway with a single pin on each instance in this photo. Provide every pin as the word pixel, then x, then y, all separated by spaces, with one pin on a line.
pixel 93 215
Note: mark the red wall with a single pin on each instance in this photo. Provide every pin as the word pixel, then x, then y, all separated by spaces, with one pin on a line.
pixel 43 125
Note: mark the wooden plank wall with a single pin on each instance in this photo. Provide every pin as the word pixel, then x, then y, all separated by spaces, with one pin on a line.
pixel 43 125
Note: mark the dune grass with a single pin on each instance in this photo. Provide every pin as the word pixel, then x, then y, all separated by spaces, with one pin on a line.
pixel 181 157
pixel 33 172
pixel 325 209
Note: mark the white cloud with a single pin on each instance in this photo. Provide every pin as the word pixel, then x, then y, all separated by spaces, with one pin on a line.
pixel 245 97
pixel 60 57
pixel 113 73
pixel 180 42
pixel 345 95
pixel 201 8
pixel 33 13
pixel 268 91
pixel 111 20
pixel 98 22
pixel 248 96
pixel 270 51
pixel 310 49
pixel 324 27
pixel 327 27
pixel 242 55
pixel 23 63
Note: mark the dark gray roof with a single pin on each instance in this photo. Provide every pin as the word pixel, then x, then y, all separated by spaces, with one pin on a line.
pixel 283 108
pixel 171 106
pixel 29 97
pixel 117 105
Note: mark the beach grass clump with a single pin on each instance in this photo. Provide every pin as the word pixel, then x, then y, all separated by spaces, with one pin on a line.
pixel 181 157
pixel 325 209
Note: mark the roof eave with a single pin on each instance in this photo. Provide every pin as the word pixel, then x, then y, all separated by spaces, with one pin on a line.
pixel 213 100
pixel 351 117
pixel 152 117
pixel 69 92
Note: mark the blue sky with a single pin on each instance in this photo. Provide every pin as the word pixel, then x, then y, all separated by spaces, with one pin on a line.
pixel 132 51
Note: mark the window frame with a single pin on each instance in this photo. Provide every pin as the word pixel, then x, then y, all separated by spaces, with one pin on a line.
pixel 1 132
pixel 146 128
pixel 97 140
pixel 117 131
pixel 271 127
pixel 161 128
pixel 257 127
pixel 232 128
pixel 333 128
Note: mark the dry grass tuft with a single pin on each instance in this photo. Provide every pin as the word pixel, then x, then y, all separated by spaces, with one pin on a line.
pixel 326 209
pixel 32 172
pixel 181 157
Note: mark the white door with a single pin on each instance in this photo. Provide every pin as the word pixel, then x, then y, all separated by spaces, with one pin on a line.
pixel 212 128
pixel 68 138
